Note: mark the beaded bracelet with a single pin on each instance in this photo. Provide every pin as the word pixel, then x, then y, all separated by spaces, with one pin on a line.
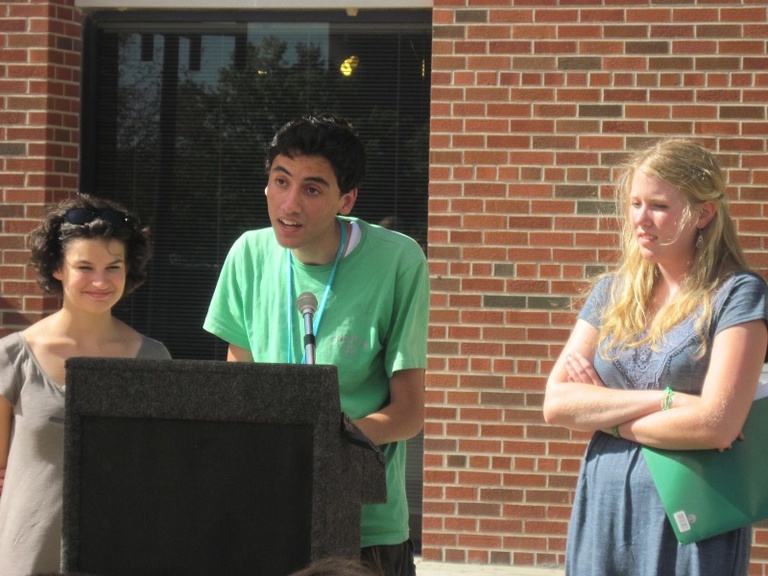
pixel 666 401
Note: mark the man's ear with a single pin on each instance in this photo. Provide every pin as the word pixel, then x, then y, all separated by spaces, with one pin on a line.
pixel 347 202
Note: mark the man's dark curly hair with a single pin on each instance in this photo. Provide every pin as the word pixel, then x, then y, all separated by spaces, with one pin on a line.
pixel 336 566
pixel 49 240
pixel 328 136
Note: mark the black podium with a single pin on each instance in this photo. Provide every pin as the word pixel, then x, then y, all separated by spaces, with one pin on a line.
pixel 175 467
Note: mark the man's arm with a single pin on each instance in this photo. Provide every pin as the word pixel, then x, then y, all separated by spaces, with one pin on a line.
pixel 403 417
pixel 237 354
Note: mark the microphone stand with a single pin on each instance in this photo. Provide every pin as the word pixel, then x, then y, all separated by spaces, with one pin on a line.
pixel 307 303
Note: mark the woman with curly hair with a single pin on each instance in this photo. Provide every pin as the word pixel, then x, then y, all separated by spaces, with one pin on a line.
pixel 666 352
pixel 90 252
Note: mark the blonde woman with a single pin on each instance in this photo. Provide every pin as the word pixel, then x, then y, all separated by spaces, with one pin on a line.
pixel 91 252
pixel 666 352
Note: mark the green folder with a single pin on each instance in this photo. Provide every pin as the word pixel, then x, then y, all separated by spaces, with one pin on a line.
pixel 706 492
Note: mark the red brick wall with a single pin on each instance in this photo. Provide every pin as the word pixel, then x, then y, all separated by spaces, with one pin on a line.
pixel 39 119
pixel 533 104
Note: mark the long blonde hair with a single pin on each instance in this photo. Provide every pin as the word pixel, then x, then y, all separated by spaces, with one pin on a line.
pixel 695 172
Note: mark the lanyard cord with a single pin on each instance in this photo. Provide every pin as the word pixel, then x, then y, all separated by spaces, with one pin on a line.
pixel 321 309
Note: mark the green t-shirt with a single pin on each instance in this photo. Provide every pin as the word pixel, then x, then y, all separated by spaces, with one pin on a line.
pixel 374 323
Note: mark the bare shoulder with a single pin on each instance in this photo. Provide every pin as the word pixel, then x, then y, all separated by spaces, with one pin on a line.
pixel 39 332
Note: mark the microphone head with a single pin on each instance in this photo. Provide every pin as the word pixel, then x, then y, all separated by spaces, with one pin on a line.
pixel 307 303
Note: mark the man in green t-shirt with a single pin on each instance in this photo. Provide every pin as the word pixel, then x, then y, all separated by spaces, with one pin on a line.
pixel 372 287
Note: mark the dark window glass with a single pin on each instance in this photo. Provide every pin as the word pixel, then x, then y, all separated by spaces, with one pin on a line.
pixel 178 109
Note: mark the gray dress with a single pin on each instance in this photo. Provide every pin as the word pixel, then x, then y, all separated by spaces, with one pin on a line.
pixel 618 525
pixel 30 504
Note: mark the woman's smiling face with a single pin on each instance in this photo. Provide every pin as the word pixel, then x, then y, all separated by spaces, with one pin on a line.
pixel 92 273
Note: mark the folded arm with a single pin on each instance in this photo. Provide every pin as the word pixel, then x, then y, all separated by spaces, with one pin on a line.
pixel 715 419
pixel 575 398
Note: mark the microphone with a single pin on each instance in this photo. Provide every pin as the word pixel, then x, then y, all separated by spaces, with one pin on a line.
pixel 307 304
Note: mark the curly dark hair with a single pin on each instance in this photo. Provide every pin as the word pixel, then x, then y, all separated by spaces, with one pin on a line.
pixel 336 566
pixel 49 240
pixel 328 136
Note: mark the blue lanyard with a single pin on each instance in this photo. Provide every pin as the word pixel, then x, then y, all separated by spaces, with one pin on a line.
pixel 321 309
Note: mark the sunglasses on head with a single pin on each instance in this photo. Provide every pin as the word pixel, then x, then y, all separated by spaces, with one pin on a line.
pixel 80 216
